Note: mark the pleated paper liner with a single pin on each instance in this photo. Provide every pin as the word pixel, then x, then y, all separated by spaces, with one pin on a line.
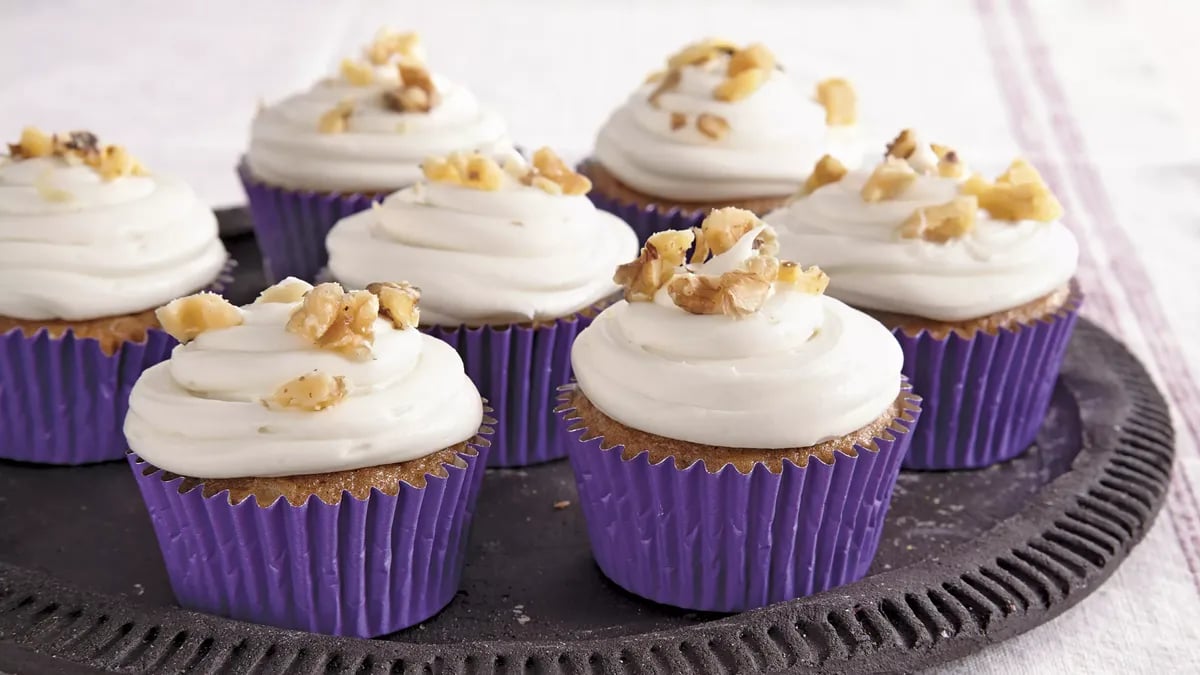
pixel 519 369
pixel 984 397
pixel 291 225
pixel 727 541
pixel 63 400
pixel 360 567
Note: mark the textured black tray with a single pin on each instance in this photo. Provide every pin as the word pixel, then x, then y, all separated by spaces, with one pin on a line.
pixel 968 559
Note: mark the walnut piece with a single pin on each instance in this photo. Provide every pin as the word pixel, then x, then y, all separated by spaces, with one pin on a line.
pixel 740 86
pixel 712 126
pixel 941 223
pixel 357 73
pixel 187 317
pixel 1018 194
pixel 678 121
pixel 764 266
pixel 667 83
pixel 660 258
pixel 290 289
pixel 903 145
pixel 75 148
pixel 827 170
pixel 115 162
pixel 723 227
pixel 837 96
pixel 416 92
pixel 333 319
pixel 449 169
pixel 474 171
pixel 388 44
pixel 767 242
pixel 33 143
pixel 811 280
pixel 888 180
pixel 548 165
pixel 335 120
pixel 311 392
pixel 738 293
pixel 483 173
pixel 949 165
pixel 754 56
pixel 398 302
pixel 700 52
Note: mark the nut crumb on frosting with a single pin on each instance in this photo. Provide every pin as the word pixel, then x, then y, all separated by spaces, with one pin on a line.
pixel 827 170
pixel 336 119
pixel 290 289
pixel 357 73
pixel 754 56
pixel 678 121
pixel 416 93
pixel 712 126
pixel 187 317
pixel 77 148
pixel 1017 194
pixel 389 44
pixel 701 52
pixel 888 180
pixel 736 293
pixel 666 83
pixel 398 302
pixel 332 318
pixel 547 164
pixel 812 280
pixel 311 392
pixel 740 86
pixel 654 267
pixel 837 96
pixel 903 145
pixel 943 222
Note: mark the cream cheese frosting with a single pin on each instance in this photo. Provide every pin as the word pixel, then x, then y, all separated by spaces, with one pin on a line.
pixel 75 245
pixel 202 413
pixel 514 253
pixel 996 266
pixel 802 369
pixel 655 144
pixel 380 149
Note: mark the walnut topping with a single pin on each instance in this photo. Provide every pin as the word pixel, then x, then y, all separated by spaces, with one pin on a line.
pixel 416 92
pixel 187 317
pixel 837 96
pixel 357 73
pixel 290 289
pixel 755 56
pixel 740 86
pixel 1018 194
pixel 549 173
pixel 389 44
pixel 33 143
pixel 903 145
pixel 949 165
pixel 311 392
pixel 712 126
pixel 678 121
pixel 737 293
pixel 334 319
pixel 721 230
pixel 75 148
pixel 827 170
pixel 666 83
pixel 474 171
pixel 941 223
pixel 483 173
pixel 335 120
pixel 655 77
pixel 888 180
pixel 660 257
pixel 700 52
pixel 115 161
pixel 811 280
pixel 398 303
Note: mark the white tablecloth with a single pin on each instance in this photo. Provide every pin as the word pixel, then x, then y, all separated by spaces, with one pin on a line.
pixel 1101 94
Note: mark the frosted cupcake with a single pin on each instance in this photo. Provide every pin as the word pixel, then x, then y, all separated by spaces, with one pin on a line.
pixel 338 447
pixel 741 433
pixel 512 263
pixel 723 125
pixel 90 243
pixel 325 153
pixel 974 278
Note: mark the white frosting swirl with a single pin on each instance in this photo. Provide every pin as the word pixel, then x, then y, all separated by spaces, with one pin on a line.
pixel 997 266
pixel 775 136
pixel 512 255
pixel 74 246
pixel 803 369
pixel 201 414
pixel 381 149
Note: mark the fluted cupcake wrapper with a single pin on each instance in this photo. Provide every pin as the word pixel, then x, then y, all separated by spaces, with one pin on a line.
pixel 984 397
pixel 729 541
pixel 291 225
pixel 63 400
pixel 361 567
pixel 518 370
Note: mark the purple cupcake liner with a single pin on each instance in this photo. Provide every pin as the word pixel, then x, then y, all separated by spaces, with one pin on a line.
pixel 729 541
pixel 518 370
pixel 361 567
pixel 290 225
pixel 63 400
pixel 984 397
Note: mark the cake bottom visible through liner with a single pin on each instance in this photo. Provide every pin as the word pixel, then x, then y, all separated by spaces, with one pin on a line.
pixel 604 182
pixel 1034 310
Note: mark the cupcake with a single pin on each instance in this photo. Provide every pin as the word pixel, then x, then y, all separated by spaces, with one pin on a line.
pixel 741 433
pixel 723 125
pixel 512 263
pixel 323 154
pixel 973 277
pixel 310 460
pixel 90 243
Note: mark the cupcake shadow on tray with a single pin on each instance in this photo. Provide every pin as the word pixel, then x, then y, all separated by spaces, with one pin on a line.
pixel 735 421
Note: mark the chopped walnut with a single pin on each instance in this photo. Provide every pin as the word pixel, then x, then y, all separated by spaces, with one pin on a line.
pixel 837 96
pixel 700 52
pixel 949 165
pixel 336 320
pixel 903 145
pixel 115 162
pixel 546 185
pixel 357 73
pixel 723 227
pixel 483 173
pixel 1018 194
pixel 767 242
pixel 75 148
pixel 654 267
pixel 811 280
pixel 678 121
pixel 290 289
pixel 548 165
pixel 737 293
pixel 655 77
pixel 388 44
pixel 187 317
pixel 764 266
pixel 416 92
pixel 335 120
pixel 888 180
pixel 33 143
pixel 712 126
pixel 740 86
pixel 941 223
pixel 311 392
pixel 398 303
pixel 450 169
pixel 667 83
pixel 827 170
pixel 754 56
